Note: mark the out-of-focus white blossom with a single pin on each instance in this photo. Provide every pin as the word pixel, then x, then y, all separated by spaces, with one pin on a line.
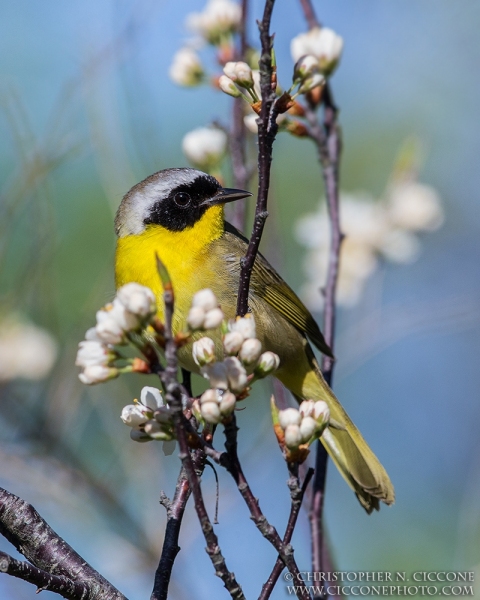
pixel 186 68
pixel 97 374
pixel 250 121
pixel 196 318
pixel 228 86
pixel 26 351
pixel 244 325
pixel 250 351
pixel 216 373
pixel 267 364
pixel 203 351
pixel 321 42
pixel 240 73
pixel 306 408
pixel 305 67
pixel 205 299
pixel 312 82
pixel 237 376
pixel 415 206
pixel 137 299
pixel 213 318
pixel 91 352
pixel 218 20
pixel 205 147
pixel 109 330
pixel 373 230
pixel 232 342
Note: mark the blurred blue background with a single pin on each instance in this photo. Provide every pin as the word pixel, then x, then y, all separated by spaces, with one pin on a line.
pixel 87 110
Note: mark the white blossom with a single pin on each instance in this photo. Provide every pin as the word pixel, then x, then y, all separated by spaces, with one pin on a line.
pixel 308 426
pixel 219 19
pixel 109 329
pixel 227 403
pixel 205 147
pixel 304 67
pixel 400 246
pixel 210 395
pixel 216 373
pixel 97 374
pixel 267 364
pixel 203 351
pixel 250 121
pixel 125 319
pixel 245 326
pixel 213 318
pixel 306 408
pixel 237 376
pixel 26 351
pixel 232 342
pixel 415 206
pixel 151 398
pixel 137 299
pixel 312 82
pixel 321 412
pixel 196 318
pixel 211 412
pixel 93 353
pixel 228 86
pixel 186 68
pixel 205 299
pixel 134 415
pixel 250 351
pixel 289 416
pixel 321 42
pixel 293 436
pixel 239 72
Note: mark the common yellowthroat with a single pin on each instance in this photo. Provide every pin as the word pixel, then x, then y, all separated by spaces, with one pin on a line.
pixel 179 215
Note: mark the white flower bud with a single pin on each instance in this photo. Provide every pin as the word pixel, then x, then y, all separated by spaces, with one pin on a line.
pixel 137 299
pixel 186 68
pixel 237 376
pixel 321 413
pixel 227 403
pixel 156 431
pixel 250 351
pixel 250 121
pixel 415 207
pixel 196 318
pixel 151 397
pixel 311 83
pixel 245 326
pixel 133 415
pixel 91 335
pixel 323 43
pixel 139 436
pixel 267 363
pixel 205 299
pixel 232 342
pixel 289 416
pixel 308 426
pixel 306 408
pixel 93 353
pixel 108 329
pixel 217 374
pixel 213 319
pixel 97 374
pixel 240 73
pixel 205 147
pixel 219 19
pixel 203 351
pixel 228 86
pixel 211 412
pixel 119 312
pixel 305 67
pixel 293 437
pixel 210 395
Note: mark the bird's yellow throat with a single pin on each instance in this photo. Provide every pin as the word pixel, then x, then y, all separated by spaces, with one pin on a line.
pixel 184 253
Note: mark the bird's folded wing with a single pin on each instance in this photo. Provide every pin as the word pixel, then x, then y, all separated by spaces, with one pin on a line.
pixel 267 284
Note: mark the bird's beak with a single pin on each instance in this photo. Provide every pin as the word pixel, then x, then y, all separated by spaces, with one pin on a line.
pixel 226 195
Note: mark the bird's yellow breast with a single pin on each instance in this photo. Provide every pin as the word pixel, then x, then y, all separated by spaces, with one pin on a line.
pixel 185 254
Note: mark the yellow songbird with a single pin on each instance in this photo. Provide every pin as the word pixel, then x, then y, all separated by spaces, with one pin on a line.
pixel 179 215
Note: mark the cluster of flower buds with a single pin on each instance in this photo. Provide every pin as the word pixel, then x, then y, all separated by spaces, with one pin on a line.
pixel 240 75
pixel 307 75
pixel 149 418
pixel 305 424
pixel 130 311
pixel 322 45
pixel 217 22
pixel 186 68
pixel 205 147
pixel 243 360
pixel 205 312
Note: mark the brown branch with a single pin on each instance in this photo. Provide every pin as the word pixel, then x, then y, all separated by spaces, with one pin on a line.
pixel 44 581
pixel 23 527
pixel 310 15
pixel 297 494
pixel 173 397
pixel 267 130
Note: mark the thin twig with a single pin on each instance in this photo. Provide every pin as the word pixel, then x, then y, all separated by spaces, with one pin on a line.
pixel 173 397
pixel 296 493
pixel 267 130
pixel 59 584
pixel 35 539
pixel 232 464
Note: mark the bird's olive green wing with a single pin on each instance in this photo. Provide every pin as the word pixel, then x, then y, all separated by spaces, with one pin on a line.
pixel 267 284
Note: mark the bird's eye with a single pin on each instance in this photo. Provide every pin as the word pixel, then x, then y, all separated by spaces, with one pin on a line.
pixel 182 199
